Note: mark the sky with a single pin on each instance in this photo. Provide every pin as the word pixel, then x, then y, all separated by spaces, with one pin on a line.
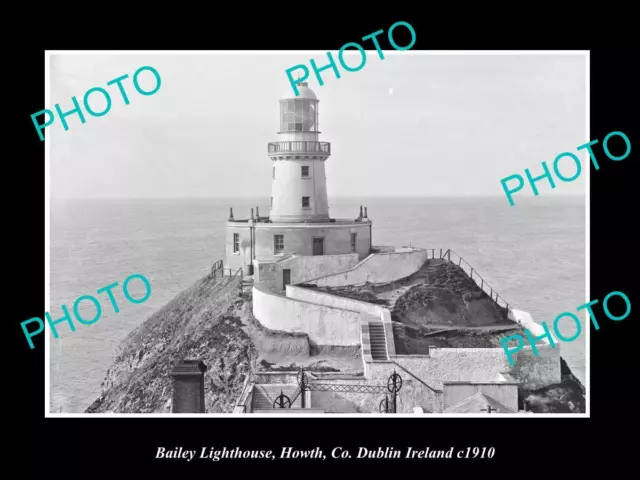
pixel 409 125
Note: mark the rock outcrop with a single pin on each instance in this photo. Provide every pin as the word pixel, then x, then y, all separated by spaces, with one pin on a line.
pixel 204 321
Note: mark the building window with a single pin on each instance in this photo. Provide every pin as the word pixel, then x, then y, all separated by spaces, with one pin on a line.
pixel 305 172
pixel 236 242
pixel 278 244
pixel 353 241
pixel 305 202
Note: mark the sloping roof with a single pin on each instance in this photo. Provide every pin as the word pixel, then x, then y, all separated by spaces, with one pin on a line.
pixel 477 403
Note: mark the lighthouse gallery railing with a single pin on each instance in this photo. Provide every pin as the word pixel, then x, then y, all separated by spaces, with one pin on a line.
pixel 300 147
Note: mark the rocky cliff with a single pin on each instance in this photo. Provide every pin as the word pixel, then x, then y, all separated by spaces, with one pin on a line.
pixel 204 321
pixel 213 322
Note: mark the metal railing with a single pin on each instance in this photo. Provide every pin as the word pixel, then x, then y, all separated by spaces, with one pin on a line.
pixel 242 398
pixel 473 274
pixel 300 146
pixel 393 386
pixel 219 265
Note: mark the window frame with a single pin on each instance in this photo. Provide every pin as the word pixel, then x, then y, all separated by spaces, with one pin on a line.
pixel 308 175
pixel 308 206
pixel 277 237
pixel 236 243
pixel 354 242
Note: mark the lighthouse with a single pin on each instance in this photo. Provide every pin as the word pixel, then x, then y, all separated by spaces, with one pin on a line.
pixel 299 184
pixel 298 240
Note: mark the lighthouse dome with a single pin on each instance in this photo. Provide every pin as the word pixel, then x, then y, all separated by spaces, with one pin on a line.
pixel 305 92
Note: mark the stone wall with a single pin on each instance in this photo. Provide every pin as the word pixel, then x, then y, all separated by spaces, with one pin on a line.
pixel 537 371
pixel 268 274
pixel 324 325
pixel 377 268
pixel 275 377
pixel 455 365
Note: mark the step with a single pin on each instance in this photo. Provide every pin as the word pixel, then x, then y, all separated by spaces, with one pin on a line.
pixel 378 341
pixel 265 395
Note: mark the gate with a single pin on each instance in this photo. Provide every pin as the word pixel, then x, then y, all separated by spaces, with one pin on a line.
pixel 389 404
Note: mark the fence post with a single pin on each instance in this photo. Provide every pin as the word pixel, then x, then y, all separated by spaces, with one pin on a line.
pixel 440 254
pixel 482 286
pixel 472 274
pixel 460 261
pixel 449 255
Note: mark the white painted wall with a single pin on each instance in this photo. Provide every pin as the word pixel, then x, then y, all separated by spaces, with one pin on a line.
pixel 324 325
pixel 288 188
pixel 377 268
pixel 321 298
pixel 307 267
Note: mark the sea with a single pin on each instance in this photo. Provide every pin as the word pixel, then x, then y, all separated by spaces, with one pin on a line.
pixel 532 254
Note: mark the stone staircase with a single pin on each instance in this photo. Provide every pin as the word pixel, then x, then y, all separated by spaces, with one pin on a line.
pixel 247 282
pixel 378 341
pixel 264 395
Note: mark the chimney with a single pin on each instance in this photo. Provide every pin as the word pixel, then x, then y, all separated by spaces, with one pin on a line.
pixel 257 213
pixel 365 212
pixel 360 216
pixel 252 214
pixel 231 213
pixel 188 386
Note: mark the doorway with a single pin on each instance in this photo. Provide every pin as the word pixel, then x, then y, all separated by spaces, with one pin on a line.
pixel 318 245
pixel 286 277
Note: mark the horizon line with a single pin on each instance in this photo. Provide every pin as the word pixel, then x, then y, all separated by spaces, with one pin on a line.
pixel 563 195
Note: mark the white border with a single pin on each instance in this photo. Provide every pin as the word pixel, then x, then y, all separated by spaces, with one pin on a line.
pixel 47 97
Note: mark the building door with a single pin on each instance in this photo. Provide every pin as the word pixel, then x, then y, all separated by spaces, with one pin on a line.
pixel 286 277
pixel 318 246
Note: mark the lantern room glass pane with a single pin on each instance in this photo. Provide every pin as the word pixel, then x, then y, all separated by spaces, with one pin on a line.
pixel 299 115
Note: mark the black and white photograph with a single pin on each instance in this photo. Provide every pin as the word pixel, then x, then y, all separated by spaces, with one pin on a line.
pixel 273 233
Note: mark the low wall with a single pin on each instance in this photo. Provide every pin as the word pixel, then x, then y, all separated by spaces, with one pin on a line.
pixel 324 325
pixel 321 298
pixel 377 268
pixel 308 267
pixel 380 313
pixel 262 378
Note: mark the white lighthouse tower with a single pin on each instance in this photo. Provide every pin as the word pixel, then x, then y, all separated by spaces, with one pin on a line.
pixel 298 240
pixel 299 186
